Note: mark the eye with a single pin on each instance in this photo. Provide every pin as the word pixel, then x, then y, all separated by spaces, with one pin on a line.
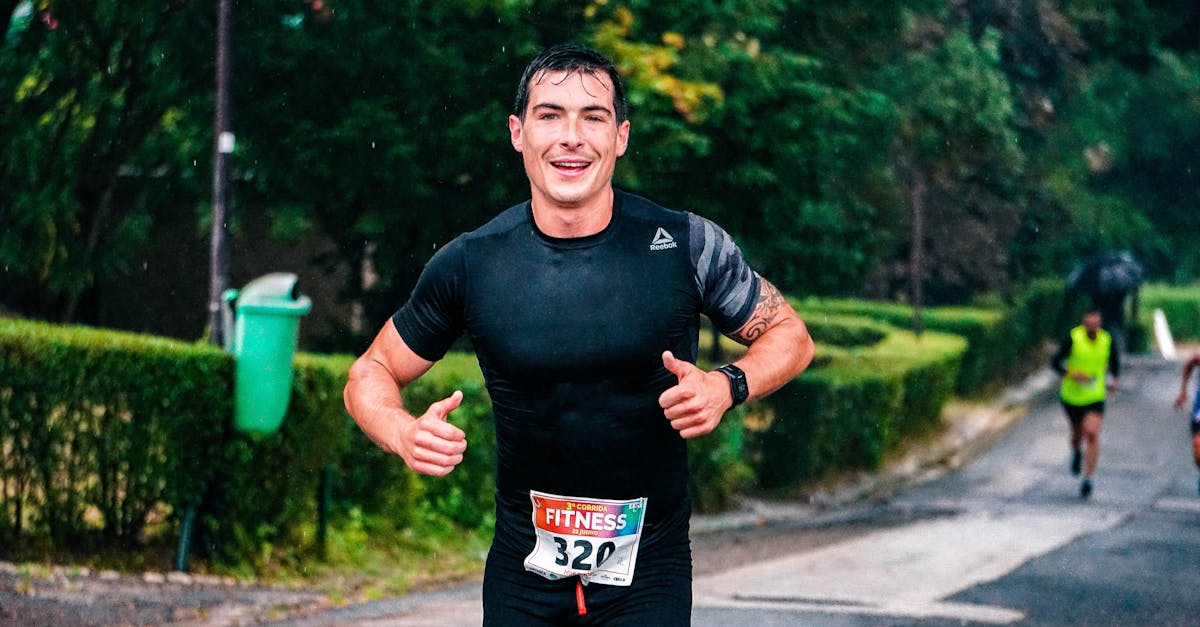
pixel 548 115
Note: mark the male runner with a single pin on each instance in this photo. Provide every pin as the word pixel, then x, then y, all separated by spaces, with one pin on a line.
pixel 1191 365
pixel 1085 359
pixel 583 306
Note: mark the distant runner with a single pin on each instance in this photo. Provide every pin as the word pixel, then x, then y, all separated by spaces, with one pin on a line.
pixel 1089 364
pixel 1194 418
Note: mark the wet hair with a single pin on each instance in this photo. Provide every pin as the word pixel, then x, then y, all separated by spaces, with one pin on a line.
pixel 571 58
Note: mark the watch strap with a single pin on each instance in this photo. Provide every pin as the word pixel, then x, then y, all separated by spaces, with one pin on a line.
pixel 739 391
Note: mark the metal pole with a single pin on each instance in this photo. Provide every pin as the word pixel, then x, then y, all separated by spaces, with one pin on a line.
pixel 219 245
pixel 222 158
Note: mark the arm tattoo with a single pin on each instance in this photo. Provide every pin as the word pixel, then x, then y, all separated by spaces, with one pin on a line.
pixel 766 312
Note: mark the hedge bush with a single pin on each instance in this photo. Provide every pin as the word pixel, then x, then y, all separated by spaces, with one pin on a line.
pixel 997 337
pixel 849 411
pixel 98 428
pixel 1181 305
pixel 105 433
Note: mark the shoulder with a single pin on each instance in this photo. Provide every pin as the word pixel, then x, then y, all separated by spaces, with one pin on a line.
pixel 507 220
pixel 451 256
pixel 640 209
pixel 701 232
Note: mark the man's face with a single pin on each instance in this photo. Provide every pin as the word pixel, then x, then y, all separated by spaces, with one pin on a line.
pixel 569 138
pixel 1091 322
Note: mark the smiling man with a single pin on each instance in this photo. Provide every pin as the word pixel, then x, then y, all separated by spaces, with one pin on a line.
pixel 583 305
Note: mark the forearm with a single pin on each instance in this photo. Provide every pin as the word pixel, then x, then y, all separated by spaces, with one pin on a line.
pixel 1057 361
pixel 776 357
pixel 375 402
pixel 1187 375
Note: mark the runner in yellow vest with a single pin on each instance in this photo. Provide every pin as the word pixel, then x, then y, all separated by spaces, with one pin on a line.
pixel 1089 365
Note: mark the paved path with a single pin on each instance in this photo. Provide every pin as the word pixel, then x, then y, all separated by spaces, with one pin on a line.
pixel 1011 540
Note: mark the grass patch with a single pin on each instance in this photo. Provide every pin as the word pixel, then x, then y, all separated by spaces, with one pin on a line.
pixel 367 558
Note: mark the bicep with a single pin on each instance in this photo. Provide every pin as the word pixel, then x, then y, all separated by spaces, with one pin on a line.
pixel 771 310
pixel 393 354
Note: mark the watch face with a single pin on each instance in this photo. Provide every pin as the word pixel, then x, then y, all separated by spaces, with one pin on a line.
pixel 738 389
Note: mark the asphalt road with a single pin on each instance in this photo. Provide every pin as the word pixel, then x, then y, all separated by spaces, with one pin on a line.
pixel 1008 539
pixel 1005 539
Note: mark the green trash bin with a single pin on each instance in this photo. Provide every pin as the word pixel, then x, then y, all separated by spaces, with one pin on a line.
pixel 263 342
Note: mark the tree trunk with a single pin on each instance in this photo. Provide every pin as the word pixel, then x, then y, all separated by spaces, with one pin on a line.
pixel 917 190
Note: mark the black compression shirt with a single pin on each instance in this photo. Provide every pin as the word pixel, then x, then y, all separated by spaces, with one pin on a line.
pixel 569 334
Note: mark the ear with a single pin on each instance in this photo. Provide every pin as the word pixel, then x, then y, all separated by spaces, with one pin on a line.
pixel 514 133
pixel 622 137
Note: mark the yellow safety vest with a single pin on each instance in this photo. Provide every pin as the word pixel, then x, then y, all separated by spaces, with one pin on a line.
pixel 1089 357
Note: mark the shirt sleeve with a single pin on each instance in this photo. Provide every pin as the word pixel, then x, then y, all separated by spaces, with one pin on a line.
pixel 1057 362
pixel 728 286
pixel 433 318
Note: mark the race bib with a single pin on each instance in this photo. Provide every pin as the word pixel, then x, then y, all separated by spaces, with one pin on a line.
pixel 595 539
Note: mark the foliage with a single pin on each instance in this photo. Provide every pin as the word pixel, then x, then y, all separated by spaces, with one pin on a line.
pixel 997 337
pixel 1126 178
pixel 119 450
pixel 803 128
pixel 1180 304
pixel 845 331
pixel 92 105
pixel 110 435
pixel 847 413
pixel 958 154
pixel 99 428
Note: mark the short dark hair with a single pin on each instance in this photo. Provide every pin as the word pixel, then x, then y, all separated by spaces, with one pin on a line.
pixel 571 58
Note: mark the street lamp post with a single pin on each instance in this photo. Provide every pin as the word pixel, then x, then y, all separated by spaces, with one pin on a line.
pixel 219 244
pixel 222 158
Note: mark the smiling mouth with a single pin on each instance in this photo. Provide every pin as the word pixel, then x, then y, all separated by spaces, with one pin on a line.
pixel 571 166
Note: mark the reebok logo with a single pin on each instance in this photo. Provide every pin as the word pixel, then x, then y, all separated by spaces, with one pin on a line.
pixel 662 240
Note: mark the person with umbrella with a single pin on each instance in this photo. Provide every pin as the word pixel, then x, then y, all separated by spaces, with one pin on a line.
pixel 1108 279
pixel 1089 365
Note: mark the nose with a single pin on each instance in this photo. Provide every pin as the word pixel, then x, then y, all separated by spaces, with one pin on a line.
pixel 571 137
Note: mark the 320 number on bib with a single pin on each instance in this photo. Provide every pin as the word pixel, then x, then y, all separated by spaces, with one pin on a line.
pixel 585 547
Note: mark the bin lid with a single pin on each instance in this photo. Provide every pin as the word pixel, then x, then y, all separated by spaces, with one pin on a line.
pixel 273 293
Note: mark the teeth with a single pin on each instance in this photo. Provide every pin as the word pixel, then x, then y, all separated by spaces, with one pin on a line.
pixel 570 165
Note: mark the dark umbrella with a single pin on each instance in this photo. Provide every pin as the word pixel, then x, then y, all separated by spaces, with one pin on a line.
pixel 1110 274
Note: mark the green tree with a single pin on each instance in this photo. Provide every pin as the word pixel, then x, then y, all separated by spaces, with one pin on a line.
pixel 958 155
pixel 90 94
pixel 410 152
pixel 759 137
pixel 1125 173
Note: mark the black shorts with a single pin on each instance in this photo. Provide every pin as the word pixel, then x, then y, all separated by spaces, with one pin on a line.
pixel 1075 413
pixel 659 595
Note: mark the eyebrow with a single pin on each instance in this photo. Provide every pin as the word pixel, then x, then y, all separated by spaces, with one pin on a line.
pixel 557 107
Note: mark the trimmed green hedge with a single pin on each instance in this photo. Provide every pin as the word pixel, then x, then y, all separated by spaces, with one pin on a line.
pixel 98 428
pixel 1181 305
pixel 997 337
pixel 106 434
pixel 848 412
pixel 833 329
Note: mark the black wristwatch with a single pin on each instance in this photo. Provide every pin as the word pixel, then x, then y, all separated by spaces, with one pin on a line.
pixel 738 389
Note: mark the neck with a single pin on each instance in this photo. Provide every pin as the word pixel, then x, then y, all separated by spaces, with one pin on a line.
pixel 569 221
